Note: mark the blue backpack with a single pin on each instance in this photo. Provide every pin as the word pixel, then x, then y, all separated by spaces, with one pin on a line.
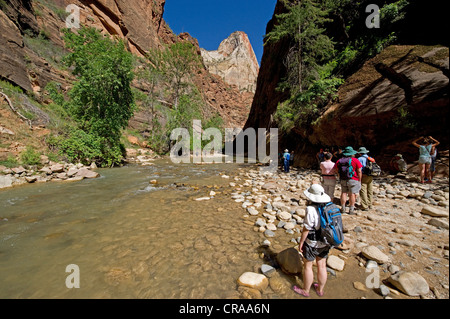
pixel 331 227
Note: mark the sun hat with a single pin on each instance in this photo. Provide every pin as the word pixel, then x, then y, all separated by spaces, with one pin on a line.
pixel 363 150
pixel 349 151
pixel 316 194
pixel 286 151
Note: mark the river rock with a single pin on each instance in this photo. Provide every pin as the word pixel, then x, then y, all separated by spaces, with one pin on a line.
pixel 335 263
pixel 373 253
pixel 277 284
pixel 410 283
pixel 18 170
pixel 438 223
pixel 31 179
pixel 72 172
pixel 434 212
pixel 46 170
pixel 57 168
pixel 253 280
pixel 268 233
pixel 84 172
pixel 267 270
pixel 290 262
pixel 348 243
pixel 6 181
pixel 284 216
pixel 252 211
pixel 249 293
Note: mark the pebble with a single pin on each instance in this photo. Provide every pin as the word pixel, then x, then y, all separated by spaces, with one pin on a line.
pixel 284 208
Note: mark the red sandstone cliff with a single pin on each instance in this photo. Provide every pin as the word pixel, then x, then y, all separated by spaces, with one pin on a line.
pixel 139 23
pixel 411 78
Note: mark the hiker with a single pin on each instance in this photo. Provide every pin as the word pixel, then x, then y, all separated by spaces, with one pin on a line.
pixel 328 175
pixel 286 158
pixel 366 192
pixel 350 174
pixel 398 164
pixel 320 156
pixel 291 159
pixel 311 247
pixel 338 154
pixel 425 148
pixel 433 155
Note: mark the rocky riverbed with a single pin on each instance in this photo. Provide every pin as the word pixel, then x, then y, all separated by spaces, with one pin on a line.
pixel 62 171
pixel 404 238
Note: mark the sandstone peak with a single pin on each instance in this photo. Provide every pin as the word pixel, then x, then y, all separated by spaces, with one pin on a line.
pixel 234 61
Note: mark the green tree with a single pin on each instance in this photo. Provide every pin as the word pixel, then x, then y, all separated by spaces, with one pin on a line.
pixel 176 62
pixel 309 64
pixel 101 100
pixel 303 23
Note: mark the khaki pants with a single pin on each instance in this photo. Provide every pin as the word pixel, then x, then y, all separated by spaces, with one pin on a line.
pixel 366 192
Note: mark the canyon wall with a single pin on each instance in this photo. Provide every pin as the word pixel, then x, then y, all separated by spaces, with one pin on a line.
pixel 400 94
pixel 234 61
pixel 31 47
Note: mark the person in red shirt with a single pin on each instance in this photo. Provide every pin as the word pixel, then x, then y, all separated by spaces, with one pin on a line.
pixel 350 174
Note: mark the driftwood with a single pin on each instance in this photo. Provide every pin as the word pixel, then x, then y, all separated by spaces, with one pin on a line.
pixel 15 110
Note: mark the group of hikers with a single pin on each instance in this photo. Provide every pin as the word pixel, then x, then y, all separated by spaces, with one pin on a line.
pixel 356 170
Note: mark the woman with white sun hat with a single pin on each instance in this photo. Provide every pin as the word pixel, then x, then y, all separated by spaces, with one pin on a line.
pixel 311 245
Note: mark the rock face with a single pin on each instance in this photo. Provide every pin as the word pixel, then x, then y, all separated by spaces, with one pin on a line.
pixel 234 61
pixel 402 78
pixel 139 23
pixel 12 60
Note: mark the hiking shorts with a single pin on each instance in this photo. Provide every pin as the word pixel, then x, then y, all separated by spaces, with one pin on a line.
pixel 311 253
pixel 350 186
pixel 425 160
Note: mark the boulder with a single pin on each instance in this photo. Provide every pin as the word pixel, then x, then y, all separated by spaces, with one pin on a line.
pixel 438 223
pixel 31 179
pixel 85 173
pixel 410 283
pixel 434 212
pixel 18 170
pixel 6 181
pixel 57 168
pixel 373 253
pixel 72 172
pixel 335 263
pixel 290 261
pixel 46 170
pixel 253 280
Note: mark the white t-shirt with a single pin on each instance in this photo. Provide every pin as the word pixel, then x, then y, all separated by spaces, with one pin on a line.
pixel 312 223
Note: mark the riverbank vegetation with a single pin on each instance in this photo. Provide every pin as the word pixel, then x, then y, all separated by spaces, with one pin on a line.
pixel 111 85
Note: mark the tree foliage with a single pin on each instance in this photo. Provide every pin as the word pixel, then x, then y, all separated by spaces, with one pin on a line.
pixel 101 101
pixel 316 63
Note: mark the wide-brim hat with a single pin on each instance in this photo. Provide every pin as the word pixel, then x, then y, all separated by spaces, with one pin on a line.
pixel 349 151
pixel 286 151
pixel 317 194
pixel 363 150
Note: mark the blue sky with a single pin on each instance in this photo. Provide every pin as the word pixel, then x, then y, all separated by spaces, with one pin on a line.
pixel 212 21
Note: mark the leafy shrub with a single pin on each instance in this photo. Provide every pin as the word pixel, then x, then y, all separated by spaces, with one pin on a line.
pixel 30 157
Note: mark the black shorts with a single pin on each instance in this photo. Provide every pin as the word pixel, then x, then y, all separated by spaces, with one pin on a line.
pixel 311 253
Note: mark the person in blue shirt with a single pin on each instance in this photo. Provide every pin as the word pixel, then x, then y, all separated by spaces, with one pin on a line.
pixel 286 158
pixel 366 192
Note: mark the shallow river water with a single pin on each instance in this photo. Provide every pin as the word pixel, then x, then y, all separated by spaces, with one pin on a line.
pixel 129 238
